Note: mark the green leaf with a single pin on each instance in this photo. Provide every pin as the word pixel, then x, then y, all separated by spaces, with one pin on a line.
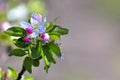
pixel 35 62
pixel 55 48
pixel 49 26
pixel 54 33
pixel 34 54
pixel 59 30
pixel 48 54
pixel 21 43
pixel 28 64
pixel 12 73
pixel 16 31
pixel 17 52
pixel 54 37
pixel 46 62
pixel 38 47
pixel 28 78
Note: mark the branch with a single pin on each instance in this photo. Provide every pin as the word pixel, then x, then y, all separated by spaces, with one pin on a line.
pixel 21 73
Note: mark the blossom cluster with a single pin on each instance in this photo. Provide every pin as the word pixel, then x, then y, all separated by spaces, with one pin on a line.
pixel 36 28
pixel 37 39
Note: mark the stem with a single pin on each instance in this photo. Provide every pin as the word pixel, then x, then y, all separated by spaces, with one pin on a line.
pixel 21 73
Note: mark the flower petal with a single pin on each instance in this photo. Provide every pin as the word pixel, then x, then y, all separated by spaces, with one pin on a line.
pixel 45 37
pixel 42 28
pixel 25 24
pixel 37 17
pixel 35 34
pixel 34 23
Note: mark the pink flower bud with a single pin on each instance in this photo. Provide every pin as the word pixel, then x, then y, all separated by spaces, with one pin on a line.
pixel 27 39
pixel 45 37
pixel 29 30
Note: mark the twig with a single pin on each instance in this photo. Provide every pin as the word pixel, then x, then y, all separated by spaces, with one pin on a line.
pixel 21 73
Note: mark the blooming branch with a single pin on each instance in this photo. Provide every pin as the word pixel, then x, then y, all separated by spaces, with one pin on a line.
pixel 36 41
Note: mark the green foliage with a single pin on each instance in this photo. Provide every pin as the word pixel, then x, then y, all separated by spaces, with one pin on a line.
pixel 54 37
pixel 17 52
pixel 55 48
pixel 48 54
pixel 59 30
pixel 35 62
pixel 28 64
pixel 46 62
pixel 37 48
pixel 56 29
pixel 49 26
pixel 33 53
pixel 16 31
pixel 21 43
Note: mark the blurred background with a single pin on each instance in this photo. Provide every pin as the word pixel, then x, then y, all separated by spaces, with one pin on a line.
pixel 92 48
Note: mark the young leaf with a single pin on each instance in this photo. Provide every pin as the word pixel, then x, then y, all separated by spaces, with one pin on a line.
pixel 55 48
pixel 48 54
pixel 17 52
pixel 35 62
pixel 28 64
pixel 54 33
pixel 59 30
pixel 54 37
pixel 49 26
pixel 38 47
pixel 34 54
pixel 20 43
pixel 46 62
pixel 16 31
